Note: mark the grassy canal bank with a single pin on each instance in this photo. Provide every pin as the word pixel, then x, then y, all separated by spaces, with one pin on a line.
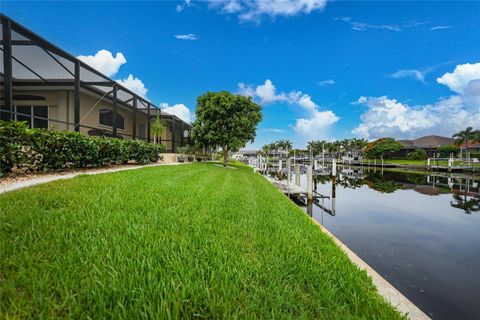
pixel 186 241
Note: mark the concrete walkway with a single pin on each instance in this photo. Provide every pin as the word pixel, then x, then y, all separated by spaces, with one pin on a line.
pixel 59 176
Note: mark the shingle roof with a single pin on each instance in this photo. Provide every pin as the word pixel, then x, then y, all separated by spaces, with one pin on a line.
pixel 432 141
pixel 426 142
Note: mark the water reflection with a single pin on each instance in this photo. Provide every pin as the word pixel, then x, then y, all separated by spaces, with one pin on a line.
pixel 407 226
pixel 468 205
pixel 464 189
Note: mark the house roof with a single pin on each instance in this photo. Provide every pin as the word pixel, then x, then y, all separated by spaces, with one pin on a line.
pixel 406 143
pixel 431 141
pixel 471 144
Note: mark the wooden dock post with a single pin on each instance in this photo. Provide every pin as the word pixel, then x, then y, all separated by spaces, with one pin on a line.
pixel 310 208
pixel 289 170
pixel 310 182
pixel 334 183
pixel 280 166
pixel 297 174
pixel 323 157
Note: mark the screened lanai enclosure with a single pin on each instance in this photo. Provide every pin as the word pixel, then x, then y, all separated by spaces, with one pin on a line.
pixel 49 88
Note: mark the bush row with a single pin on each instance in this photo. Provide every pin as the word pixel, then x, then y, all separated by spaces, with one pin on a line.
pixel 44 150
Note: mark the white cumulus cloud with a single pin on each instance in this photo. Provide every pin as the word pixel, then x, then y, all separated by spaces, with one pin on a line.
pixel 459 79
pixel 315 123
pixel 105 62
pixel 388 117
pixel 180 110
pixel 134 84
pixel 268 93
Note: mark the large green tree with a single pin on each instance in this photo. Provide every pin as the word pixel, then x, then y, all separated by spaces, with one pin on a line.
pixel 225 120
pixel 382 147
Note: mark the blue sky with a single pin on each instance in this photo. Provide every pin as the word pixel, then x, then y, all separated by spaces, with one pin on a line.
pixel 321 70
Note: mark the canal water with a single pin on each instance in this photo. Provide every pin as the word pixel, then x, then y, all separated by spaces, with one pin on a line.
pixel 420 232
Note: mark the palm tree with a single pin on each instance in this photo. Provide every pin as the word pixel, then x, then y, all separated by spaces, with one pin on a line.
pixel 463 137
pixel 346 144
pixel 476 137
pixel 359 145
pixel 311 145
pixel 288 145
pixel 157 128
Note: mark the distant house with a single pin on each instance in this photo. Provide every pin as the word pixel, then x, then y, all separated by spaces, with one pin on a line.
pixel 244 154
pixel 427 143
pixel 473 147
pixel 278 154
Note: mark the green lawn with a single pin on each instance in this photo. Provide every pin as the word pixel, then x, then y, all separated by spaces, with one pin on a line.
pixel 420 162
pixel 404 161
pixel 192 241
pixel 398 161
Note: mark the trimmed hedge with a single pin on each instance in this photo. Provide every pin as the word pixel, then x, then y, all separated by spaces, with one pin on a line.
pixel 35 150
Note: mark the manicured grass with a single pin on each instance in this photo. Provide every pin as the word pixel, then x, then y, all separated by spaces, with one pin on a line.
pixel 420 162
pixel 192 241
pixel 404 161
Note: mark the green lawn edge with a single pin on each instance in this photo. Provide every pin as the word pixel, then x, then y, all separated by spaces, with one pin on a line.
pixel 191 241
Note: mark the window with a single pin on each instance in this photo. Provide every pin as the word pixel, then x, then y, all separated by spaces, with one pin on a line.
pixel 106 119
pixel 42 112
pixel 25 113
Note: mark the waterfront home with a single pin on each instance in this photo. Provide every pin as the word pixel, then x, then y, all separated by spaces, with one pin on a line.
pixel 427 143
pixel 49 88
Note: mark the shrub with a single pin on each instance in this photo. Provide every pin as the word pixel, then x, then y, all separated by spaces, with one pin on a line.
pixel 143 152
pixel 44 150
pixel 446 150
pixel 418 154
pixel 111 150
pixel 475 155
pixel 64 149
pixel 15 146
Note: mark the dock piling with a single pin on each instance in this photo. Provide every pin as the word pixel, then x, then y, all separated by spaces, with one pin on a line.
pixel 310 182
pixel 289 170
pixel 334 184
pixel 297 174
